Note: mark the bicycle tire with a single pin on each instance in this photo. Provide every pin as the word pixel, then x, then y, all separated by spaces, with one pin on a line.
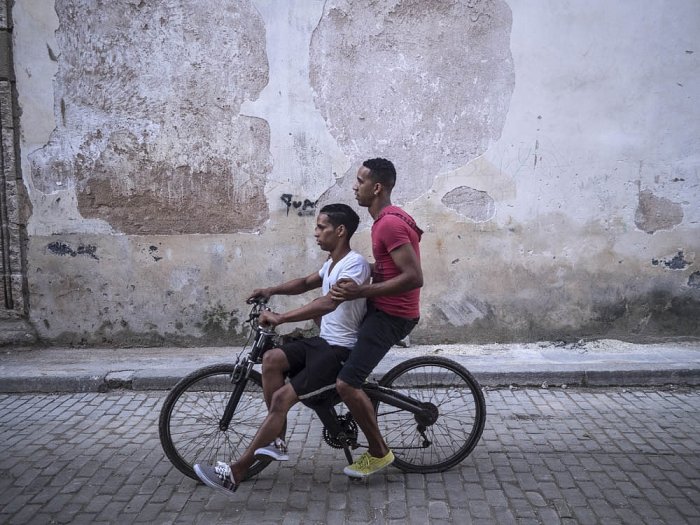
pixel 460 418
pixel 189 419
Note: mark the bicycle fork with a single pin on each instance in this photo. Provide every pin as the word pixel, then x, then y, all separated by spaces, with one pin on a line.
pixel 239 378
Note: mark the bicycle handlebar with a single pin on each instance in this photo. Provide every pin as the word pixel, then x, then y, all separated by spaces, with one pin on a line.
pixel 259 304
pixel 257 301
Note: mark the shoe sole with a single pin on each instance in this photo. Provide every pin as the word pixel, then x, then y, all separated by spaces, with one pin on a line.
pixel 355 475
pixel 262 455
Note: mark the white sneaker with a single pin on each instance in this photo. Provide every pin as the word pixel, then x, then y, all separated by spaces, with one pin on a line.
pixel 276 450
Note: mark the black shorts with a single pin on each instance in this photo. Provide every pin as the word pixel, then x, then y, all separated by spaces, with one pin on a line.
pixel 313 365
pixel 378 332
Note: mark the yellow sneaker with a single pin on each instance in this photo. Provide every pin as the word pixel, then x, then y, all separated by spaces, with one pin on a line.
pixel 366 465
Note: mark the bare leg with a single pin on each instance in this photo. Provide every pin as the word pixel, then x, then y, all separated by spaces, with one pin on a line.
pixel 362 410
pixel 282 400
pixel 274 366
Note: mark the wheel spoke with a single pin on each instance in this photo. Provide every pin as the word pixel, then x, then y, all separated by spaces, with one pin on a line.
pixel 459 401
pixel 191 414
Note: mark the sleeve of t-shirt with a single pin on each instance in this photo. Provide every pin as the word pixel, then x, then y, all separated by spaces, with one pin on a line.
pixel 394 232
pixel 323 269
pixel 356 269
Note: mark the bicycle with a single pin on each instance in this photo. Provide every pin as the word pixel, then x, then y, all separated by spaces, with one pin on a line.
pixel 430 409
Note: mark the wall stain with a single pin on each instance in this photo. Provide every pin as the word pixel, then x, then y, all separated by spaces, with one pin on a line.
pixel 152 250
pixel 694 280
pixel 52 55
pixel 219 322
pixel 677 262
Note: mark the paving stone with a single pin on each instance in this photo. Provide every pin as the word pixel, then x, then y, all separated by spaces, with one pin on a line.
pixel 438 510
pixel 547 456
pixel 548 516
pixel 397 510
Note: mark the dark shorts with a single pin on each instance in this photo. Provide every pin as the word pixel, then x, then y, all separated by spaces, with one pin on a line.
pixel 313 365
pixel 379 331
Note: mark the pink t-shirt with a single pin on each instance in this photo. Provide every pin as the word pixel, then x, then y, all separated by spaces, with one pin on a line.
pixel 392 229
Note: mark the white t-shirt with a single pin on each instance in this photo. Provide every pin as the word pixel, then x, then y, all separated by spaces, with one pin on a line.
pixel 340 326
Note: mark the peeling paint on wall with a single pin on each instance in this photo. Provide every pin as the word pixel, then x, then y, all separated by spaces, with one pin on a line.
pixel 657 213
pixel 473 204
pixel 426 84
pixel 149 132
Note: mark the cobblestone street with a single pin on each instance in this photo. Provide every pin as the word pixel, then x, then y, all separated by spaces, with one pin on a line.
pixel 547 456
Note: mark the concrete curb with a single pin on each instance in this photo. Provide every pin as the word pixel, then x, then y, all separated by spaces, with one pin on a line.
pixel 593 364
pixel 143 381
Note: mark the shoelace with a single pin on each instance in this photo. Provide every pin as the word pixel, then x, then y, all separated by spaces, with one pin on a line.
pixel 364 461
pixel 223 470
pixel 280 445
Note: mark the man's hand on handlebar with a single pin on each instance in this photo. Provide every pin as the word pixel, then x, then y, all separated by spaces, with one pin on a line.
pixel 259 293
pixel 269 319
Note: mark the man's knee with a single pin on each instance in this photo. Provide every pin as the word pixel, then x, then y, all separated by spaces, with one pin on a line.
pixel 345 390
pixel 275 359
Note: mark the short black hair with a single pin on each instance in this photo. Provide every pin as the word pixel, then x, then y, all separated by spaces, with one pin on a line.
pixel 342 214
pixel 381 171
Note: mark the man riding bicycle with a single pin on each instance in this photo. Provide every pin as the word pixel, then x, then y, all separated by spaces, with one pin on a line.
pixel 393 305
pixel 313 363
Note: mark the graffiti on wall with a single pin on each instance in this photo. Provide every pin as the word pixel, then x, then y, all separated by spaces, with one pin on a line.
pixel 63 248
pixel 304 208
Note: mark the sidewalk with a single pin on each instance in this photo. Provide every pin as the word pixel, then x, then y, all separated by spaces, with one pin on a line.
pixel 593 363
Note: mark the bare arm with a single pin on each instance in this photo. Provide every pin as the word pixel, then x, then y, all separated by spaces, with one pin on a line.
pixel 313 310
pixel 409 278
pixel 293 287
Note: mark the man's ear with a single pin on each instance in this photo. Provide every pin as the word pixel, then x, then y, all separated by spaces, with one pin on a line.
pixel 377 188
pixel 341 230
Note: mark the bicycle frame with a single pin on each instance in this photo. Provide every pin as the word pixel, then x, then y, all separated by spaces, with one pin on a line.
pixel 398 400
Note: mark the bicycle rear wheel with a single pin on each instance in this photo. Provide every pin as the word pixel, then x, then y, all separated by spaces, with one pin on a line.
pixel 457 402
pixel 189 425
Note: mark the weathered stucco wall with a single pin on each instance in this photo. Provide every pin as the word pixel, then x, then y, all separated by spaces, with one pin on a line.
pixel 175 155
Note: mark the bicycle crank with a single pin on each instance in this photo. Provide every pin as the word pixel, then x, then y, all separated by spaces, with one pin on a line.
pixel 346 437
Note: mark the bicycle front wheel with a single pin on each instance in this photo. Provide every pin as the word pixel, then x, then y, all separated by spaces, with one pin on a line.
pixel 458 411
pixel 190 421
